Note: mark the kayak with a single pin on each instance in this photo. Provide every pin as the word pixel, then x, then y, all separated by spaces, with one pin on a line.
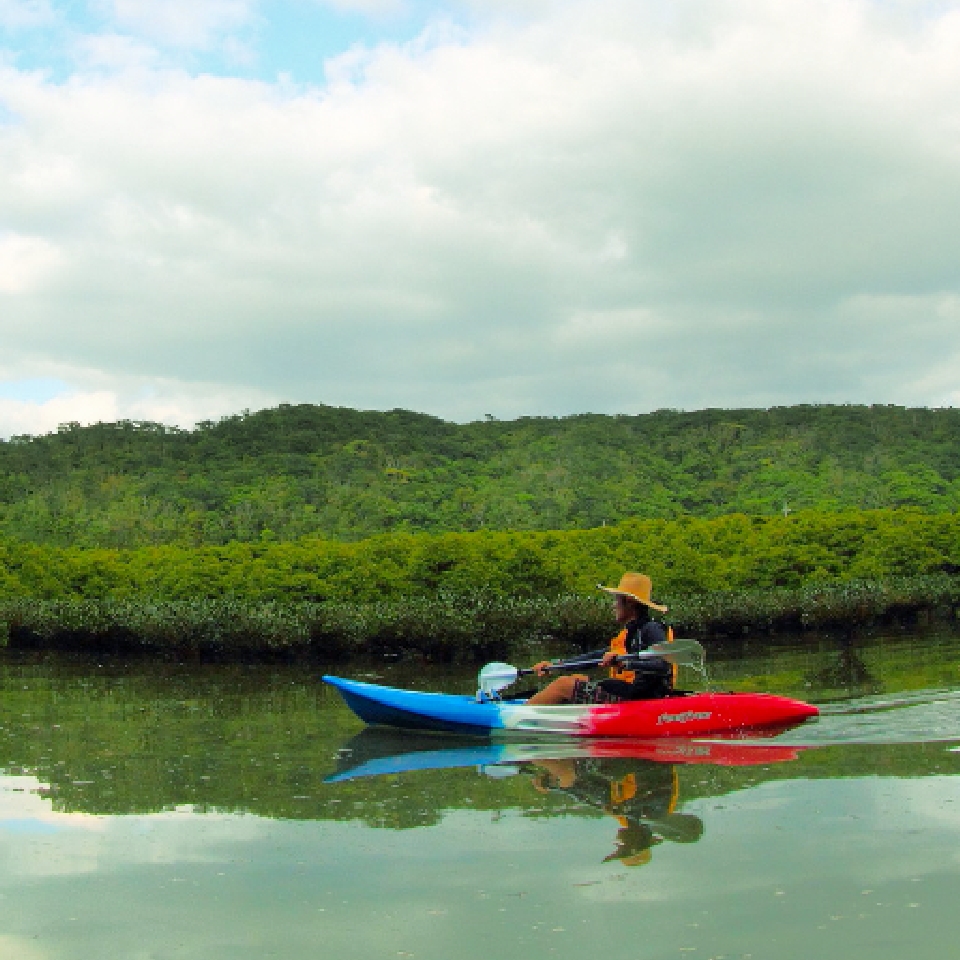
pixel 681 715
pixel 377 752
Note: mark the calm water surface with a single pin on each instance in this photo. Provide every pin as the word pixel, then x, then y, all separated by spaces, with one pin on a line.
pixel 220 811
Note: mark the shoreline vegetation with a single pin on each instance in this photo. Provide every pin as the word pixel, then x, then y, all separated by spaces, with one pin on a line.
pixel 480 595
pixel 322 532
pixel 452 628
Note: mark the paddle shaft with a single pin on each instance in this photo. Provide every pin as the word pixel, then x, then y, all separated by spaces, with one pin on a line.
pixel 496 676
pixel 595 661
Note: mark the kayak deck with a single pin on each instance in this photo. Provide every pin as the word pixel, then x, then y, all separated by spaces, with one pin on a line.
pixel 683 715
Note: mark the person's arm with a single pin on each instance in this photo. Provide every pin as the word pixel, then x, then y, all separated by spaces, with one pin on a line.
pixel 593 654
pixel 543 667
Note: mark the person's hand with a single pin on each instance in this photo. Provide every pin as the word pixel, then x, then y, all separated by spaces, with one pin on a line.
pixel 542 668
pixel 609 658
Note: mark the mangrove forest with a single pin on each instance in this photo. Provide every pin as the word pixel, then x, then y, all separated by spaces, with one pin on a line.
pixel 329 531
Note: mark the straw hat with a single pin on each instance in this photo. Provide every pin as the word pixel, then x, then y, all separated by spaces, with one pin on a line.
pixel 637 586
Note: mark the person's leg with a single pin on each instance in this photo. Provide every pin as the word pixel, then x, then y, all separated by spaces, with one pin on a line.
pixel 560 691
pixel 649 686
pixel 616 689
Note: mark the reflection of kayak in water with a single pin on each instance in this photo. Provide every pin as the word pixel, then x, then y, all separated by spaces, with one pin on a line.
pixel 633 781
pixel 683 715
pixel 378 752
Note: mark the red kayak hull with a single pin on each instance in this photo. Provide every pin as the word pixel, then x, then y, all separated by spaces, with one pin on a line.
pixel 687 715
pixel 697 714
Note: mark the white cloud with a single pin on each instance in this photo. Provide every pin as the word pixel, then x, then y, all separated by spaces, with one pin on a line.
pixel 765 194
pixel 119 398
pixel 24 14
pixel 32 417
pixel 25 262
pixel 115 53
pixel 37 396
pixel 181 23
pixel 375 8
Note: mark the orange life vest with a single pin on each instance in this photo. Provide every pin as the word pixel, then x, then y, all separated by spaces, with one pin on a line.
pixel 618 645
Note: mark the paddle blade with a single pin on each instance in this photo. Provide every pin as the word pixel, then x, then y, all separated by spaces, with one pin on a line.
pixel 681 652
pixel 495 676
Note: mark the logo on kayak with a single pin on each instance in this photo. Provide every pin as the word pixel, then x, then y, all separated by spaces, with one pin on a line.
pixel 685 717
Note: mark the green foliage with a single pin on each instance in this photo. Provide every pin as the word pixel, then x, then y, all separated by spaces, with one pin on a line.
pixel 298 471
pixel 326 531
pixel 684 557
pixel 447 627
pixel 443 628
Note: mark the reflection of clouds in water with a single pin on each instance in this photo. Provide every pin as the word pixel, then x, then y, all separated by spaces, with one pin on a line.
pixel 192 884
pixel 217 887
pixel 21 803
pixel 21 948
pixel 886 829
pixel 933 802
pixel 38 841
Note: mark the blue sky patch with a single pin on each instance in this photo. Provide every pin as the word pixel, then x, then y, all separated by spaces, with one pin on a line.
pixel 35 390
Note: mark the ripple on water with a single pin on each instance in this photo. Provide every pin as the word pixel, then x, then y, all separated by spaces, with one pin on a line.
pixel 925 716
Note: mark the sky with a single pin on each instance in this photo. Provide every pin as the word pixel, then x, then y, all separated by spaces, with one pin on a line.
pixel 475 207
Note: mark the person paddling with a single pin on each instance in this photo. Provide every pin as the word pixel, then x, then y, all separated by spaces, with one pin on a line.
pixel 653 677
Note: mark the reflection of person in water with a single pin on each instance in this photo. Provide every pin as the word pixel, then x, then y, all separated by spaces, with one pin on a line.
pixel 641 794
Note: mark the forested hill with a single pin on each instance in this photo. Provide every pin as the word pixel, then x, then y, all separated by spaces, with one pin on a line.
pixel 317 470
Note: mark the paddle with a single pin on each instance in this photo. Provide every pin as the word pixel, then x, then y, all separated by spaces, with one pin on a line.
pixel 495 676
